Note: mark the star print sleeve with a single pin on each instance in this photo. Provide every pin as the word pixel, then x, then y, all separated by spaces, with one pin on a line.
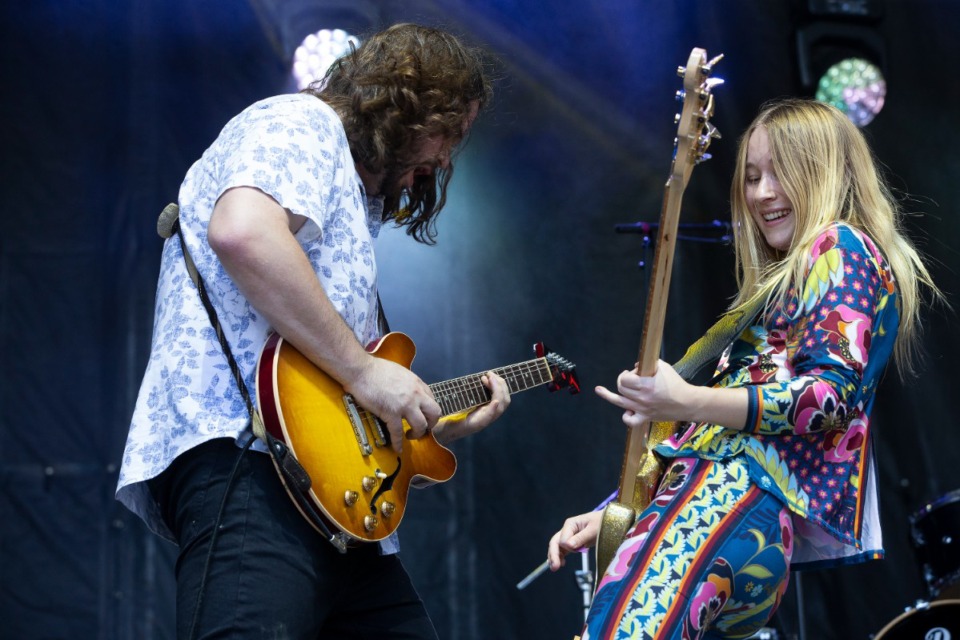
pixel 831 322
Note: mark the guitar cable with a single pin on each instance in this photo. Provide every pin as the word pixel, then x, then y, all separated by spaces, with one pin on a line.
pixel 213 539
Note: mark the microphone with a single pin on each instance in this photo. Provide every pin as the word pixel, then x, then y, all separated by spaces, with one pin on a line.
pixel 703 231
pixel 167 222
pixel 646 227
pixel 636 227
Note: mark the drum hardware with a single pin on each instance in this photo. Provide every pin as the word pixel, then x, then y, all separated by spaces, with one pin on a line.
pixel 937 620
pixel 935 535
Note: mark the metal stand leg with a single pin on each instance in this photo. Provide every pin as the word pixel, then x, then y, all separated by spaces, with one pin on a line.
pixel 585 582
pixel 801 623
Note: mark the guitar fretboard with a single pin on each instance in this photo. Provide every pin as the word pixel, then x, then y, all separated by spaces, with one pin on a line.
pixel 466 392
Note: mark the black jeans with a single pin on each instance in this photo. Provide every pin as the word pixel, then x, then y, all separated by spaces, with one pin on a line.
pixel 271 575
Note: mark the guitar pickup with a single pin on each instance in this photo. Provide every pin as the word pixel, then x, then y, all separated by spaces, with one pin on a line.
pixel 359 431
pixel 381 437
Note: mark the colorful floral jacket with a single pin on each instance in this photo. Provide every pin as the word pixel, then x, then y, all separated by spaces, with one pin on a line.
pixel 812 368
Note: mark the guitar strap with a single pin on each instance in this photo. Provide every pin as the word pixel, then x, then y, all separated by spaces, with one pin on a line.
pixel 382 325
pixel 723 332
pixel 294 477
pixel 706 349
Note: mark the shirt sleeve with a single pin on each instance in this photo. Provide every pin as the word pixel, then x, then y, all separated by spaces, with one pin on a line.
pixel 292 150
pixel 830 325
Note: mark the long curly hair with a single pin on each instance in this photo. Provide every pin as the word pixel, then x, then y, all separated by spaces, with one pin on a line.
pixel 400 86
pixel 830 174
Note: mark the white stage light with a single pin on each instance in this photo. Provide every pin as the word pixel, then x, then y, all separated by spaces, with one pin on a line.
pixel 317 52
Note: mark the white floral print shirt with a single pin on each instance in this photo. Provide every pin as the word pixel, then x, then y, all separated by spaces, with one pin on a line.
pixel 293 148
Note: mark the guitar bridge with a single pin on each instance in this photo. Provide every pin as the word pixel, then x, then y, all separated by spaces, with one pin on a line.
pixel 357 423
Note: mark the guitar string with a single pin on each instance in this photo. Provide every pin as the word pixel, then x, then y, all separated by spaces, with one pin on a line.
pixel 472 385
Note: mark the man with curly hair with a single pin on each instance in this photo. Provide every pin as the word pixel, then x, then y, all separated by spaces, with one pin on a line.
pixel 279 215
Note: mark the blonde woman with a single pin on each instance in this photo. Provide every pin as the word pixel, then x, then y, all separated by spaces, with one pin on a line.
pixel 771 468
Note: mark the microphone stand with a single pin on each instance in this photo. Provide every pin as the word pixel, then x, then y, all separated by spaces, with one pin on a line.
pixel 585 582
pixel 704 229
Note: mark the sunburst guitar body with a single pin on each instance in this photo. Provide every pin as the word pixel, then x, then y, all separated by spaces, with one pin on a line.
pixel 357 480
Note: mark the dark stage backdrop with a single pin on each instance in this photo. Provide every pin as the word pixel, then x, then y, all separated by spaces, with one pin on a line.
pixel 106 104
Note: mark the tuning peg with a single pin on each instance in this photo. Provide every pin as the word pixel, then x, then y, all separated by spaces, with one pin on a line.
pixel 681 94
pixel 708 68
pixel 713 82
pixel 713 132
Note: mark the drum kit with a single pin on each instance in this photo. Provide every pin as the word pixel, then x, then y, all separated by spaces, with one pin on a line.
pixel 935 535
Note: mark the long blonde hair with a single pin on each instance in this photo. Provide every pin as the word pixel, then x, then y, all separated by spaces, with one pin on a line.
pixel 829 173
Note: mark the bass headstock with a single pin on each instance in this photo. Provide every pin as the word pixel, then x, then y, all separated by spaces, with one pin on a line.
pixel 694 130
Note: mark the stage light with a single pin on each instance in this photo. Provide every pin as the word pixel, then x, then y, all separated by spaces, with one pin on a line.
pixel 317 52
pixel 842 57
pixel 856 87
pixel 309 35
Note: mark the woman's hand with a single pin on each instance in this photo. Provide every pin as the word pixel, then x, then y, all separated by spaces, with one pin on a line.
pixel 664 396
pixel 577 533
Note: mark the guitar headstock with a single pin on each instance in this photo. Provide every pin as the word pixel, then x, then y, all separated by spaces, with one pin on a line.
pixel 694 131
pixel 563 371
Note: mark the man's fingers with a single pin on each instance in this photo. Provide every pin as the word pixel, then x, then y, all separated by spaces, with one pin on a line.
pixel 417 422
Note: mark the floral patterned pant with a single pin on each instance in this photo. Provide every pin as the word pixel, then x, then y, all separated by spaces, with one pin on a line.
pixel 709 558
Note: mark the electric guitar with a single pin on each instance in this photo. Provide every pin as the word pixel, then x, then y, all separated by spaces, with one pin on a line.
pixel 356 479
pixel 641 469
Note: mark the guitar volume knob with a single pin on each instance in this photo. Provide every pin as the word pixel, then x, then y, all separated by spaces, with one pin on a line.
pixel 387 509
pixel 368 483
pixel 350 498
pixel 370 523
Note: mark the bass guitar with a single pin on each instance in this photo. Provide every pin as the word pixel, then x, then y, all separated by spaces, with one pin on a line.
pixel 355 478
pixel 641 468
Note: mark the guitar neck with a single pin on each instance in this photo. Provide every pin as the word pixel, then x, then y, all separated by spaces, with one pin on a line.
pixel 637 444
pixel 467 392
pixel 693 136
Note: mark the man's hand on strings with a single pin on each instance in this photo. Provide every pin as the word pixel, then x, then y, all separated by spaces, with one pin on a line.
pixel 395 394
pixel 460 425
